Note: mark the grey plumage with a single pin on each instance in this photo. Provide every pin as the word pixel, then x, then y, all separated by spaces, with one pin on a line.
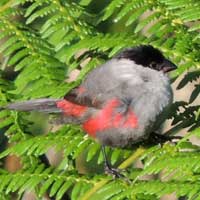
pixel 149 90
pixel 136 78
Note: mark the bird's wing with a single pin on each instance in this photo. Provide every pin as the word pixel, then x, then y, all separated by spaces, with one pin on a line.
pixel 112 80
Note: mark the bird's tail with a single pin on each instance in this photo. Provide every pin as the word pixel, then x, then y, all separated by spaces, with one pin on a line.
pixel 45 105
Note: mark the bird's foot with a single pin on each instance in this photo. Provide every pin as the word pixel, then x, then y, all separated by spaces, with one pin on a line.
pixel 113 171
pixel 116 173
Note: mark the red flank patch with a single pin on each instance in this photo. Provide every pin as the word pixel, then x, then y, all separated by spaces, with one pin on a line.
pixel 109 118
pixel 71 109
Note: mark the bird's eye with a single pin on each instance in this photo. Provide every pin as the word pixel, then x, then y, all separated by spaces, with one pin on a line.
pixel 153 65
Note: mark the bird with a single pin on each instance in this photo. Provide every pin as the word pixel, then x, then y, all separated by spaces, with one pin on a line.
pixel 119 103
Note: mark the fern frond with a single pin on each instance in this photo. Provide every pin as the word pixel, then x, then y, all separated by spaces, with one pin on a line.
pixel 171 164
pixel 56 182
pixel 30 54
pixel 61 23
pixel 159 189
pixel 70 139
pixel 189 77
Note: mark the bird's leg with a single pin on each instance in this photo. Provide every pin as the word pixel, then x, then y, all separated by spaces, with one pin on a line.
pixel 107 167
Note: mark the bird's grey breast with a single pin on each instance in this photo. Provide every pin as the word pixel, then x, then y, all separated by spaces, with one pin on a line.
pixel 148 90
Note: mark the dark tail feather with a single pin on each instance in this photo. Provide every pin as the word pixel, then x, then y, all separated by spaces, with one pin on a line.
pixel 40 105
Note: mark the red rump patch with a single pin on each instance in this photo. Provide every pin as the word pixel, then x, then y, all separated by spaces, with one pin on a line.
pixel 71 109
pixel 109 118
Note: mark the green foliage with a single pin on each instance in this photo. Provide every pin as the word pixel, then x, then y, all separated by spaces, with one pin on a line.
pixel 43 41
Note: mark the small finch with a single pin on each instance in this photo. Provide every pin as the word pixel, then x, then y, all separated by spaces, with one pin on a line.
pixel 119 103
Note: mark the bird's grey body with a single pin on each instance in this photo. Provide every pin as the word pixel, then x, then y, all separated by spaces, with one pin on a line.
pixel 120 102
pixel 148 92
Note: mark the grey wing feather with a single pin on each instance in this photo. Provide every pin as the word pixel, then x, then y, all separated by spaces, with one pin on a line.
pixel 114 79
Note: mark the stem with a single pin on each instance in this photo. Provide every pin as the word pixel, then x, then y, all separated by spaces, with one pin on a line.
pixel 132 158
pixel 5 6
pixel 98 185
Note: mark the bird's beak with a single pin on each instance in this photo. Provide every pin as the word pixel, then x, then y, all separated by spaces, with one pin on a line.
pixel 168 66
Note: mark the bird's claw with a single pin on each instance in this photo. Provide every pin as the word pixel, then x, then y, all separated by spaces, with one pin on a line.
pixel 116 173
pixel 113 171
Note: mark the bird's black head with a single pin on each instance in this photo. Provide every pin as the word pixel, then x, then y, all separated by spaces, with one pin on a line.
pixel 147 56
